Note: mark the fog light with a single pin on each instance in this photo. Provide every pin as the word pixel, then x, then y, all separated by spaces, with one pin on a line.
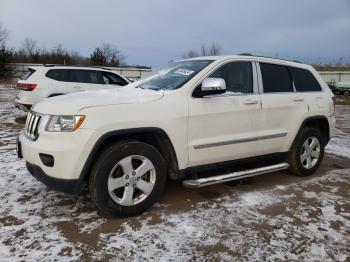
pixel 47 160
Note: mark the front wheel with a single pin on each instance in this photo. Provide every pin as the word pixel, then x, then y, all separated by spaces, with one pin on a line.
pixel 307 153
pixel 127 178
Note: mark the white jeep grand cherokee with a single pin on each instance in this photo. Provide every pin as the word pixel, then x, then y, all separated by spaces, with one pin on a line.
pixel 192 115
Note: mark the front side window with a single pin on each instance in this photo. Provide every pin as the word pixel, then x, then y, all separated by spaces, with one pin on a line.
pixel 303 80
pixel 276 78
pixel 238 77
pixel 173 76
pixel 113 79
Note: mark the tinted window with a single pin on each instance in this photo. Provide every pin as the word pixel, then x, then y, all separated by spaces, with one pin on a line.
pixel 276 78
pixel 93 77
pixel 27 74
pixel 237 75
pixel 58 74
pixel 303 80
pixel 78 76
pixel 113 79
pixel 75 75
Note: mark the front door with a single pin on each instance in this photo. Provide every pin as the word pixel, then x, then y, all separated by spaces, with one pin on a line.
pixel 223 127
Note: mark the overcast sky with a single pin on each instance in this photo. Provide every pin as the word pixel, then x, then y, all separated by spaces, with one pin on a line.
pixel 153 32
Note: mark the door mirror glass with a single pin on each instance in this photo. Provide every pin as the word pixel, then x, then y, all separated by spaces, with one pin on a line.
pixel 212 86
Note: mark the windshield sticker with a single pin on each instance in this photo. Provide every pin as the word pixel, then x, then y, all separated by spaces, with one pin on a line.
pixel 184 72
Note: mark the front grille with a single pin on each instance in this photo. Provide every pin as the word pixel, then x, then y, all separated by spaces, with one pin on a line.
pixel 31 127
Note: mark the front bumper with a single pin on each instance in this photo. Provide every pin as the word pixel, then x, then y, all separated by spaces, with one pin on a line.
pixel 69 151
pixel 71 186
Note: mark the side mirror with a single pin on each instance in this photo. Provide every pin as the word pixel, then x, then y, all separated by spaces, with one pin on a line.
pixel 212 86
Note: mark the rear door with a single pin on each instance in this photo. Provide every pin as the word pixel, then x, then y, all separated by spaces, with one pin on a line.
pixel 223 127
pixel 308 88
pixel 282 108
pixel 58 81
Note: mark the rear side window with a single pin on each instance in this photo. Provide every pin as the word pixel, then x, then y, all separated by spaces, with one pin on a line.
pixel 304 80
pixel 58 74
pixel 27 74
pixel 75 75
pixel 276 78
pixel 93 77
pixel 113 79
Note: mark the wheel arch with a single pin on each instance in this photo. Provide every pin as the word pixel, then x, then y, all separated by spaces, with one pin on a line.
pixel 156 137
pixel 319 122
pixel 56 94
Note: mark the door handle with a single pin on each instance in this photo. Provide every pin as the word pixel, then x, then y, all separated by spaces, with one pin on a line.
pixel 251 102
pixel 298 99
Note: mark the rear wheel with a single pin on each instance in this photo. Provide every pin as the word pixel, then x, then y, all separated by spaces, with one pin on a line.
pixel 127 178
pixel 307 152
pixel 346 93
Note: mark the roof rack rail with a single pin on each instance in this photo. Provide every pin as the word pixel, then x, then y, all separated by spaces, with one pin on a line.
pixel 248 54
pixel 102 67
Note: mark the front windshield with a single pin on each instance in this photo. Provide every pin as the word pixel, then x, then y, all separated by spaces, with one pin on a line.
pixel 173 76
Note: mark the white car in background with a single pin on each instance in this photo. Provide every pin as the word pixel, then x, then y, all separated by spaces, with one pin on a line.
pixel 41 82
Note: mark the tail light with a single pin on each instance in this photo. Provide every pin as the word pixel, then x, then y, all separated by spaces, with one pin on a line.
pixel 26 87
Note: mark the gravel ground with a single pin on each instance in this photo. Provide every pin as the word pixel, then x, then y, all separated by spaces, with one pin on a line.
pixel 271 217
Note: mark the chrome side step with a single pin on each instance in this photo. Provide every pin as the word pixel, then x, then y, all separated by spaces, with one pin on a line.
pixel 207 181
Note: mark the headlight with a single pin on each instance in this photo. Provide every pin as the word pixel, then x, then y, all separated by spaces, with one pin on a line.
pixel 64 123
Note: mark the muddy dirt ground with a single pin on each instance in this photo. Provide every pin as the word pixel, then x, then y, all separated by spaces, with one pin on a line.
pixel 271 217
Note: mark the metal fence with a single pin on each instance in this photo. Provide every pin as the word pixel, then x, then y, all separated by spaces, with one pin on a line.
pixel 332 77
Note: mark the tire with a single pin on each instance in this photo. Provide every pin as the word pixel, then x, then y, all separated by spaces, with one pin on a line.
pixel 302 158
pixel 118 186
pixel 346 93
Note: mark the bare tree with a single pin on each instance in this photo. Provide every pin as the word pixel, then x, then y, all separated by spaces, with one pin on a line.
pixel 106 54
pixel 214 49
pixel 30 48
pixel 3 35
pixel 97 57
pixel 204 50
pixel 190 54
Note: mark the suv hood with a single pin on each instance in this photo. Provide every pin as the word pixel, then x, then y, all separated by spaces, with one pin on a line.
pixel 72 103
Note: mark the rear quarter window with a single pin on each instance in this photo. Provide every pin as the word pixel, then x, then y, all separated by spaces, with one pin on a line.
pixel 27 74
pixel 304 80
pixel 276 78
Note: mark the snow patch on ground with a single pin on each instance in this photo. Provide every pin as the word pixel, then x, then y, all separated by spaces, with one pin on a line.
pixel 339 144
